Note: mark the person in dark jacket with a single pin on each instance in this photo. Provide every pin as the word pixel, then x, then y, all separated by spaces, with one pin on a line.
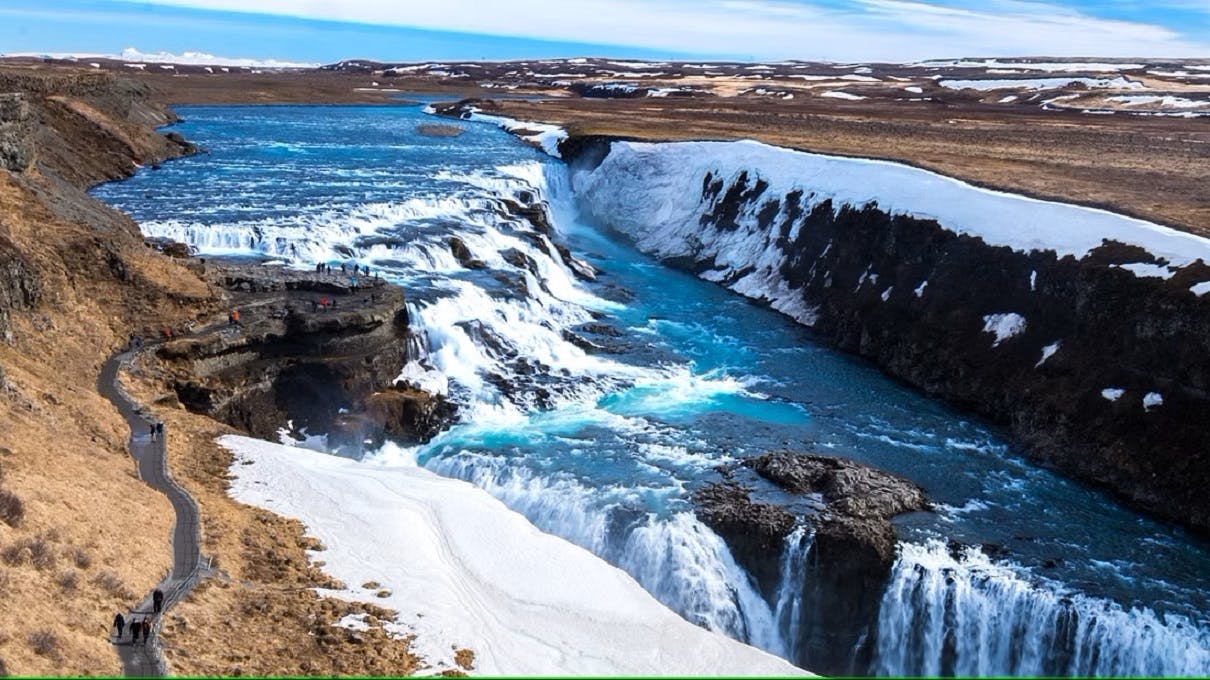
pixel 146 630
pixel 157 600
pixel 136 627
pixel 119 622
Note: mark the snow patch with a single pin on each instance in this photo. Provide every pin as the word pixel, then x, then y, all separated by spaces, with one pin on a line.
pixel 464 570
pixel 1046 67
pixel 1200 288
pixel 1152 400
pixel 914 89
pixel 1004 326
pixel 837 94
pixel 1119 83
pixel 1163 100
pixel 920 289
pixel 1048 352
pixel 1112 393
pixel 544 135
pixel 1148 270
pixel 428 379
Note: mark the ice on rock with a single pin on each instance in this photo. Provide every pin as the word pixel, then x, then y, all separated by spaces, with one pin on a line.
pixel 1048 352
pixel 1004 326
pixel 1112 393
pixel 1152 400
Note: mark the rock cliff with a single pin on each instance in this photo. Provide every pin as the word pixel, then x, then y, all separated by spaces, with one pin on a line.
pixel 327 368
pixel 1090 368
pixel 850 554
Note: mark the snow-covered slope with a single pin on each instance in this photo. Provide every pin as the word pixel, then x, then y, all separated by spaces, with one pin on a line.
pixel 655 192
pixel 188 58
pixel 465 570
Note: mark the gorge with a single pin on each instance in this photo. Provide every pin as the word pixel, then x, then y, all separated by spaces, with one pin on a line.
pixel 598 401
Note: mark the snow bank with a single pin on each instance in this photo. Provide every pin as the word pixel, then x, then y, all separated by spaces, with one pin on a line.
pixel 189 58
pixel 1162 100
pixel 1047 67
pixel 1118 83
pixel 654 192
pixel 838 94
pixel 465 570
pixel 544 135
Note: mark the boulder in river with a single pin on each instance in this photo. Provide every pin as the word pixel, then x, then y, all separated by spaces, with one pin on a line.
pixel 850 555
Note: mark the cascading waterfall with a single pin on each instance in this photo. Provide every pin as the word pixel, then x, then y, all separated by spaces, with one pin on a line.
pixel 788 610
pixel 966 615
pixel 602 449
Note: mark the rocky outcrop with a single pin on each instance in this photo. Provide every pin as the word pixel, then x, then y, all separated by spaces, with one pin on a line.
pixel 16 142
pixel 20 285
pixel 402 414
pixel 850 555
pixel 1098 372
pixel 463 254
pixel 755 532
pixel 292 361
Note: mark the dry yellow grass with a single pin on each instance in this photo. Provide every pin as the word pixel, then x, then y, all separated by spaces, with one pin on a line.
pixel 93 539
pixel 260 614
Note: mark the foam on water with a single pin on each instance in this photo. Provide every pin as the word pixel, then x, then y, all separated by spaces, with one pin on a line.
pixel 604 448
pixel 947 614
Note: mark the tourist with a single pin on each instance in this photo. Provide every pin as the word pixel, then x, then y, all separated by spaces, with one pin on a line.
pixel 157 600
pixel 151 431
pixel 135 628
pixel 159 430
pixel 146 629
pixel 119 622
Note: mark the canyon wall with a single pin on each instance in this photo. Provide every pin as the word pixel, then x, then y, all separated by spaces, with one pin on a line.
pixel 1083 333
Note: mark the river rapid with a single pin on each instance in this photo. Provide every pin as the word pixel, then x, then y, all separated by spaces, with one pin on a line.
pixel 595 408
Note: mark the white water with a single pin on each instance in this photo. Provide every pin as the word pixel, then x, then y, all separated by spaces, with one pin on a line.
pixel 969 616
pixel 602 458
pixel 464 571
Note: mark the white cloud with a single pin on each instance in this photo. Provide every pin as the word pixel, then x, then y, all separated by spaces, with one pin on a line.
pixel 865 30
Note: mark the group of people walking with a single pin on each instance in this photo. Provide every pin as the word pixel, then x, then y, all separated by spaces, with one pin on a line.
pixel 325 268
pixel 156 431
pixel 140 627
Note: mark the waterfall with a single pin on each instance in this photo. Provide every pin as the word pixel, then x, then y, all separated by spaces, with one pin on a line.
pixel 966 615
pixel 788 608
pixel 591 445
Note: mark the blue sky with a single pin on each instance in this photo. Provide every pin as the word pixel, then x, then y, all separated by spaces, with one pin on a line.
pixel 406 30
